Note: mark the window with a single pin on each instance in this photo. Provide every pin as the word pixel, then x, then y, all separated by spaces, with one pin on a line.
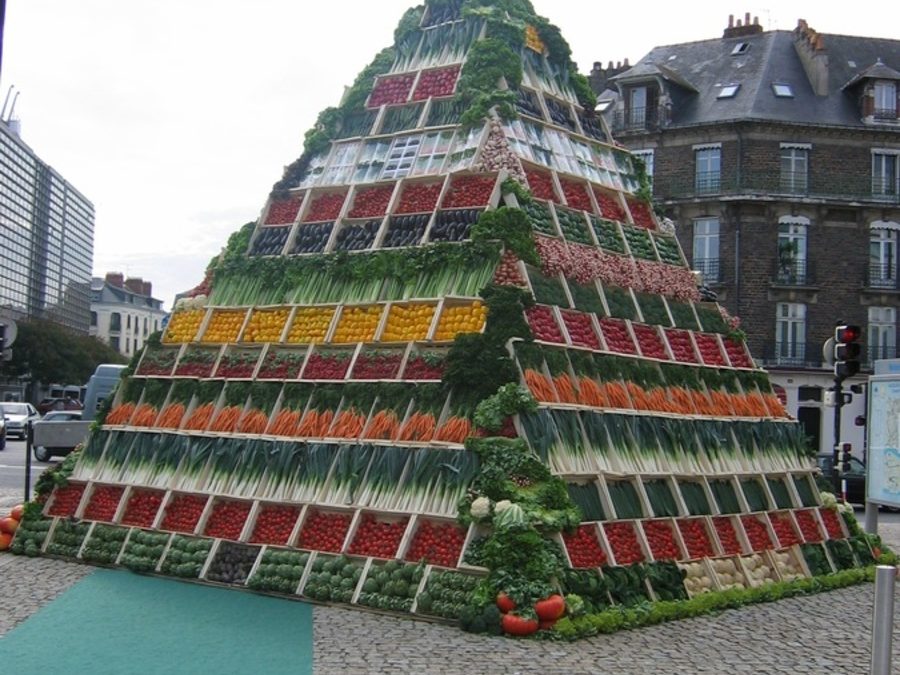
pixel 740 48
pixel 883 258
pixel 400 159
pixel 882 338
pixel 94 319
pixel 115 322
pixel 792 253
pixel 146 326
pixel 884 173
pixel 637 107
pixel 794 168
pixel 128 322
pixel 885 101
pixel 708 162
pixel 782 90
pixel 728 91
pixel 114 342
pixel 706 248
pixel 790 333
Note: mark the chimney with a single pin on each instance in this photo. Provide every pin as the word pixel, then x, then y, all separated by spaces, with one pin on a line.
pixel 742 28
pixel 810 47
pixel 116 279
pixel 147 289
pixel 600 76
pixel 135 285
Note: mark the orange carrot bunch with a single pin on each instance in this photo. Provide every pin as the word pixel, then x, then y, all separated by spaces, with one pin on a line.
pixel 591 394
pixel 384 425
pixel 254 422
pixel 454 430
pixel 348 424
pixel 682 400
pixel 285 423
pixel 540 387
pixel 721 403
pixel 170 417
pixel 565 389
pixel 419 427
pixel 617 395
pixel 315 424
pixel 144 415
pixel 227 419
pixel 120 414
pixel 199 419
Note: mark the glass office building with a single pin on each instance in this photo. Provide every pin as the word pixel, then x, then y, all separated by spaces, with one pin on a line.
pixel 46 239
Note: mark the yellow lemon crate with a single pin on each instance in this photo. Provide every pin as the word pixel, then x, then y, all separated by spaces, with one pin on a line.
pixel 457 316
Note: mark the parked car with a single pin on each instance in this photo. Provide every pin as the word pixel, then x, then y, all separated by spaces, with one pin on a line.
pixel 53 403
pixel 50 422
pixel 17 417
pixel 2 433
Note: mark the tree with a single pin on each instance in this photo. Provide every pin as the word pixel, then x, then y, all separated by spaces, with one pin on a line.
pixel 48 352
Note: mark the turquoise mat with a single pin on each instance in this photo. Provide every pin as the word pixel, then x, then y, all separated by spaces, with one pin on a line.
pixel 117 623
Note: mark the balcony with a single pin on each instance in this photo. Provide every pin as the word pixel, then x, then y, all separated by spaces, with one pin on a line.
pixel 793 273
pixel 710 268
pixel 769 184
pixel 793 355
pixel 794 183
pixel 879 353
pixel 636 119
pixel 882 277
pixel 885 114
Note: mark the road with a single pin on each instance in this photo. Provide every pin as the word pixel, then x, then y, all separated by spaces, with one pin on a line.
pixel 12 467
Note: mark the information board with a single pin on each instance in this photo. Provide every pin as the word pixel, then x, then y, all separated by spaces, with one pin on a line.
pixel 883 470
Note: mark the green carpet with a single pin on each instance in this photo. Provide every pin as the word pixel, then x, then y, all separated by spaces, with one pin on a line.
pixel 117 622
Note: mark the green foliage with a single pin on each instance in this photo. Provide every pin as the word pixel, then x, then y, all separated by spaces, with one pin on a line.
pixel 477 367
pixel 409 23
pixel 646 614
pixel 583 92
pixel 56 475
pixel 512 227
pixel 488 61
pixel 49 352
pixel 509 400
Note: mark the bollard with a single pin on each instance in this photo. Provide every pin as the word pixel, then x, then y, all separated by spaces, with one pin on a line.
pixel 29 443
pixel 883 619
pixel 871 522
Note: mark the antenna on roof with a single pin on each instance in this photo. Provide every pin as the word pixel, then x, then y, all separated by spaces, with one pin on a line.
pixel 6 102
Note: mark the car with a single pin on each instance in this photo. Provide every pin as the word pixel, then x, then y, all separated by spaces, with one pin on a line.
pixel 43 454
pixel 856 477
pixel 17 416
pixel 53 403
pixel 2 433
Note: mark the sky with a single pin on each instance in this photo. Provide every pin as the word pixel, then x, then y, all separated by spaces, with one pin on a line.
pixel 175 117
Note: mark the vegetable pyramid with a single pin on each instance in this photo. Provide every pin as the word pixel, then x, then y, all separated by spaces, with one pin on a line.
pixel 457 355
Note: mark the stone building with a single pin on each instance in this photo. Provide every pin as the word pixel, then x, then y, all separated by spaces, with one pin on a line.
pixel 777 154
pixel 123 312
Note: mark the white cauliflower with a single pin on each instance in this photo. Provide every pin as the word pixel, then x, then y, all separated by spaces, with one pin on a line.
pixel 481 507
pixel 501 506
pixel 829 501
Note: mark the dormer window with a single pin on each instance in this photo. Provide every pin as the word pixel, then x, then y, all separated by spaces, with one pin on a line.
pixel 885 94
pixel 729 91
pixel 740 48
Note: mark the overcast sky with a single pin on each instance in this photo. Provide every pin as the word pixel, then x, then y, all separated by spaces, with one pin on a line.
pixel 175 117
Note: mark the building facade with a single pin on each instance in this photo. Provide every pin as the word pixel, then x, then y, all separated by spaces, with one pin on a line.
pixel 46 239
pixel 777 154
pixel 123 312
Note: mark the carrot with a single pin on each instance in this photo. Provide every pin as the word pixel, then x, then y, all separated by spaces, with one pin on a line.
pixel 120 414
pixel 565 389
pixel 540 388
pixel 639 397
pixel 702 403
pixel 285 423
pixel 254 422
pixel 591 394
pixel 349 424
pixel 315 424
pixel 454 430
pixel 170 417
pixel 227 419
pixel 419 427
pixel 776 408
pixel 383 425
pixel 681 400
pixel 721 403
pixel 200 418
pixel 144 416
pixel 617 395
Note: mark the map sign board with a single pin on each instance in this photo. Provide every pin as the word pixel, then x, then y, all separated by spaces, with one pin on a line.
pixel 883 468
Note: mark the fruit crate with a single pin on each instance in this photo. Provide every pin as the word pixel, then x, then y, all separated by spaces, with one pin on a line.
pixel 278 570
pixel 698 537
pixel 378 534
pixel 103 503
pixel 729 573
pixel 140 506
pixel 274 523
pixel 181 512
pixel 587 547
pixel 324 530
pixel 699 577
pixel 65 500
pixel 663 539
pixel 226 519
pixel 436 541
pixel 626 542
pixel 230 563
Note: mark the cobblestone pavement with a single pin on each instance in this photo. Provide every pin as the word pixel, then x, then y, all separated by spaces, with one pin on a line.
pixel 825 633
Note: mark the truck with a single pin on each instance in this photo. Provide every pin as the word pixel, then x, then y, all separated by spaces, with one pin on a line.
pixel 59 437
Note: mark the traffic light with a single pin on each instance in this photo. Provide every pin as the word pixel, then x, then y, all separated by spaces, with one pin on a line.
pixel 846 449
pixel 846 351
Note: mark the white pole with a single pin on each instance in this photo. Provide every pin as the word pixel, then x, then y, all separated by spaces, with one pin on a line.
pixel 883 619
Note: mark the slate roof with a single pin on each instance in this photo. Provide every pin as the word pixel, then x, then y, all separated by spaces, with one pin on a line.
pixel 771 57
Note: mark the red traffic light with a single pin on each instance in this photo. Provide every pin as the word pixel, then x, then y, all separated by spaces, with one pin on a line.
pixel 847 333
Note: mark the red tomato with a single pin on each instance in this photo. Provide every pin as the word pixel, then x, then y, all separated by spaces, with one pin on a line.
pixel 550 609
pixel 5 541
pixel 505 603
pixel 516 625
pixel 9 526
pixel 17 511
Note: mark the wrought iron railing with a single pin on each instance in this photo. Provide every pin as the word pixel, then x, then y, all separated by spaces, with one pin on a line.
pixel 636 119
pixel 708 182
pixel 885 113
pixel 793 354
pixel 794 182
pixel 882 276
pixel 879 353
pixel 710 268
pixel 884 187
pixel 793 273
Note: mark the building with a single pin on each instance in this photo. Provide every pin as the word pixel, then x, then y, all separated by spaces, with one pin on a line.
pixel 46 238
pixel 777 154
pixel 123 312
